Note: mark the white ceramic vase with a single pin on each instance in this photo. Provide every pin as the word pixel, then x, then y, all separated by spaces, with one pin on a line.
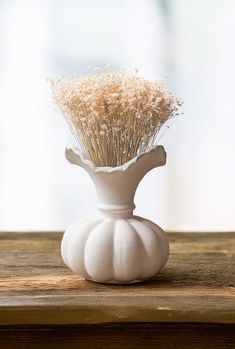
pixel 114 246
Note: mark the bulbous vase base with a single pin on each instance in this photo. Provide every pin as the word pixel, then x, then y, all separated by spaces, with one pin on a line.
pixel 115 251
pixel 114 282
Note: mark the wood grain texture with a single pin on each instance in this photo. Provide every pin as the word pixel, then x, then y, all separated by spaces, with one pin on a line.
pixel 196 285
pixel 116 336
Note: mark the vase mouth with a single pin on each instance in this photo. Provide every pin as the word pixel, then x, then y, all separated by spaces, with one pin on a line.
pixel 108 169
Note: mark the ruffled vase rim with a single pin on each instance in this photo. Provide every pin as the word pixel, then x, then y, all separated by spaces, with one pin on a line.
pixel 108 169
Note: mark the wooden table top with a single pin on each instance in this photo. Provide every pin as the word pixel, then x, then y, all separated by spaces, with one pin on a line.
pixel 196 285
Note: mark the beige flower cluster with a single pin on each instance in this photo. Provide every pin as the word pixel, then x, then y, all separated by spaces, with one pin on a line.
pixel 114 115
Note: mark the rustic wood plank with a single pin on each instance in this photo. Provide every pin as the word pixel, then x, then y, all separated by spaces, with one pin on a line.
pixel 116 336
pixel 197 284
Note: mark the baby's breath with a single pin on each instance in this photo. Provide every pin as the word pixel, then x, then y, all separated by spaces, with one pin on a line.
pixel 114 115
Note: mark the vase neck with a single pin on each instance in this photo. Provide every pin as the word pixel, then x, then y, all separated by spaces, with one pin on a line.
pixel 116 186
pixel 116 211
pixel 115 194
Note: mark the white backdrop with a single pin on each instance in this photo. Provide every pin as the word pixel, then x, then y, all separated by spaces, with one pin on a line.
pixel 190 41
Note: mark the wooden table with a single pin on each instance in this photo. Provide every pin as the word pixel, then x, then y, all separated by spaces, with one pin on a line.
pixel 190 304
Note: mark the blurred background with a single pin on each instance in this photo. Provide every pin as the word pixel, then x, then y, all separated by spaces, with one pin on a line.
pixel 191 42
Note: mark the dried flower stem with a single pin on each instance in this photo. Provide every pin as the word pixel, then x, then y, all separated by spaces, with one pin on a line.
pixel 114 116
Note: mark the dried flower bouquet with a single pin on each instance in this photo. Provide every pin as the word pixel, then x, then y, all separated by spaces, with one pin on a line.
pixel 115 116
